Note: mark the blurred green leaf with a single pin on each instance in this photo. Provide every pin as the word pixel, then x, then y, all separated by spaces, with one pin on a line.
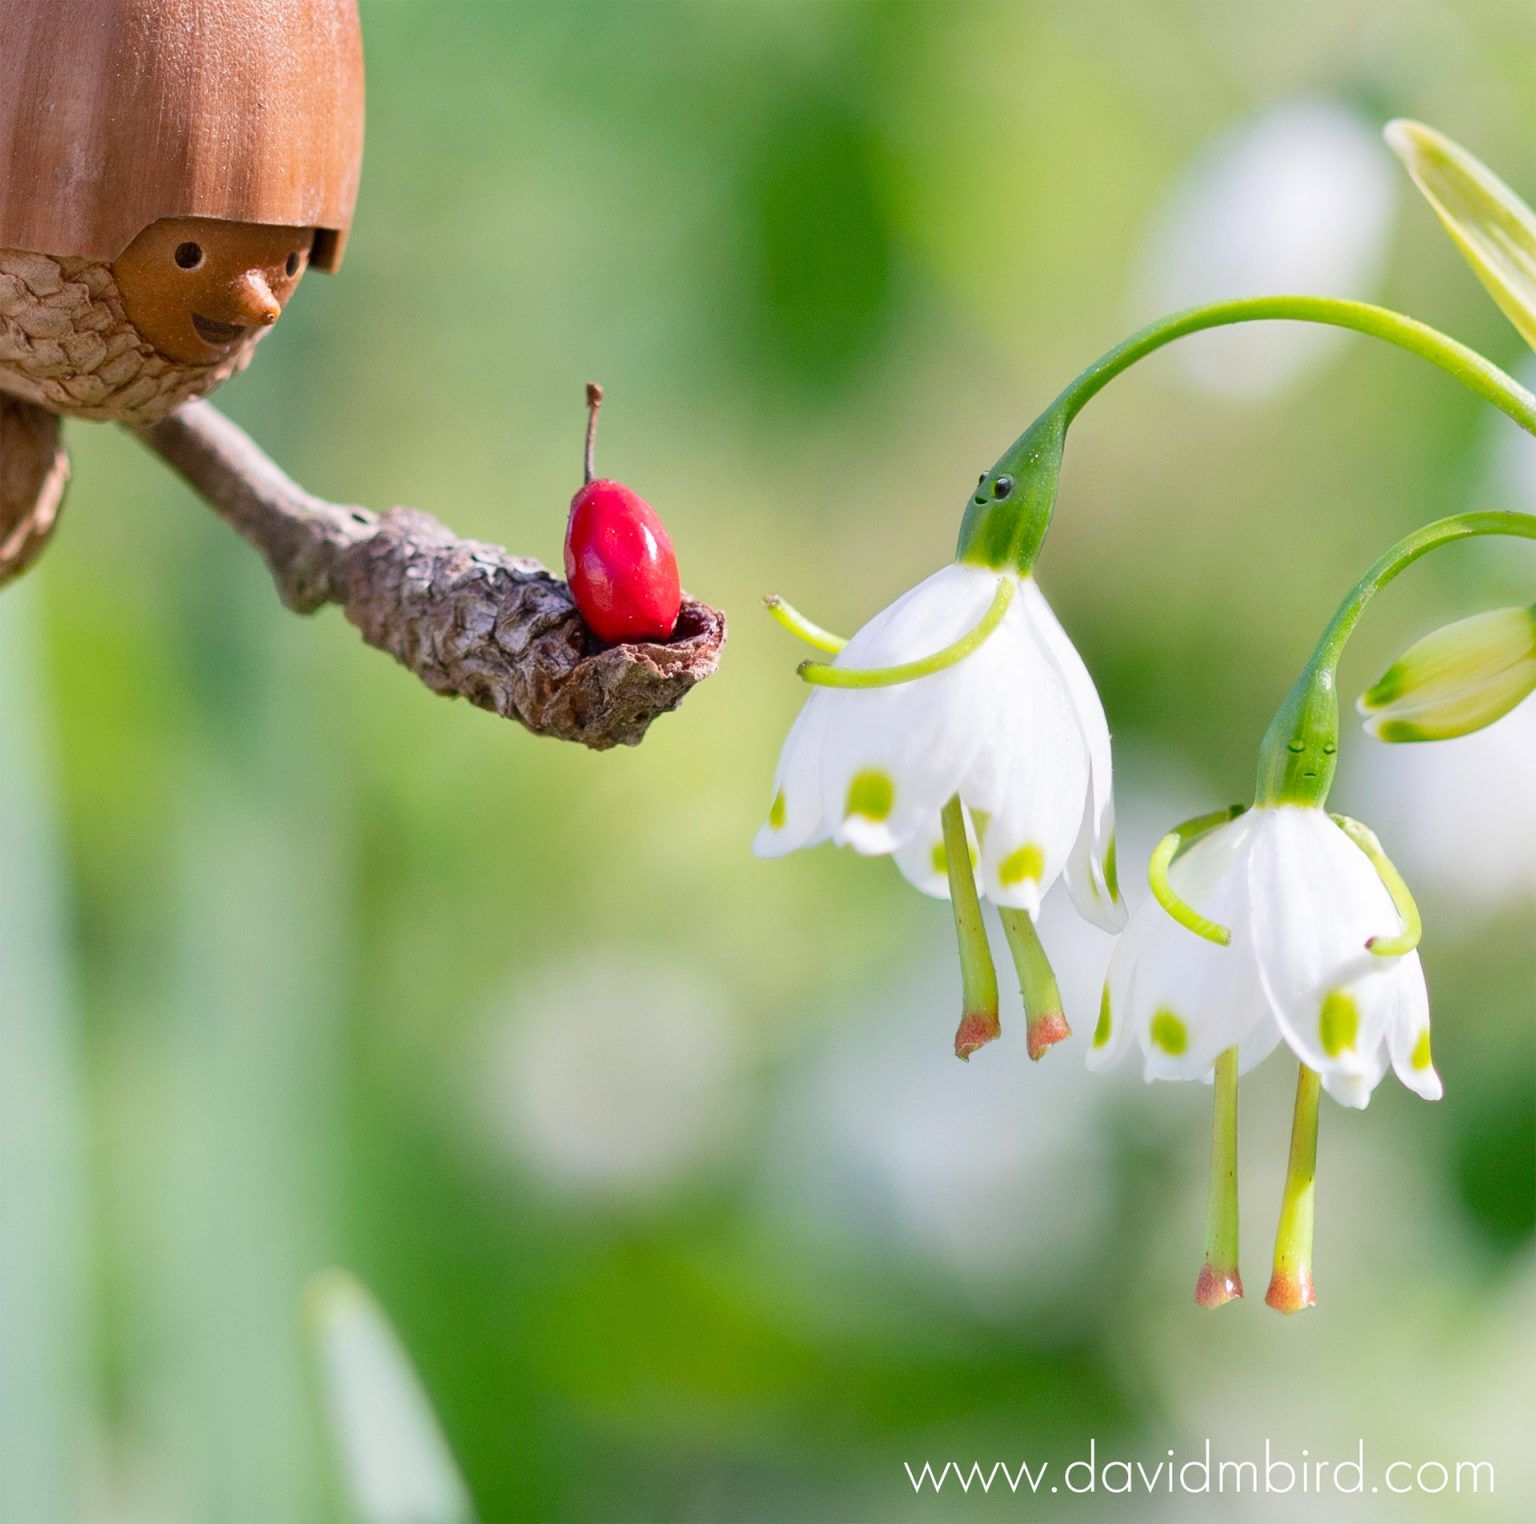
pixel 395 1465
pixel 1491 225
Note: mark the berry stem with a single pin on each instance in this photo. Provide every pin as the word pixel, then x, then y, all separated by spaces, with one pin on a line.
pixel 594 401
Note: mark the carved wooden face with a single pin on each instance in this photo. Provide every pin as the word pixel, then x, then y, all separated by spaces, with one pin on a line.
pixel 197 287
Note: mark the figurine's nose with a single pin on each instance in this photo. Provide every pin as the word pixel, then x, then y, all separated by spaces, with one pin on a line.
pixel 254 302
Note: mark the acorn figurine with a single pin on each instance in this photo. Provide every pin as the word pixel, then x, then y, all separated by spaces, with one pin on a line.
pixel 168 171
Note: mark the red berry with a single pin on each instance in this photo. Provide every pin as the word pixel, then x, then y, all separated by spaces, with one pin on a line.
pixel 620 564
pixel 618 559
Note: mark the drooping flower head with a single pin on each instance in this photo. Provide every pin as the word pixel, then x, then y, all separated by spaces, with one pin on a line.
pixel 961 722
pixel 1282 923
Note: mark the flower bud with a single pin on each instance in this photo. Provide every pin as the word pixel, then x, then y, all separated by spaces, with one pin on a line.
pixel 1456 680
pixel 1491 225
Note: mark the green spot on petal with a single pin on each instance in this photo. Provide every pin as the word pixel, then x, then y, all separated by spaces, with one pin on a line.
pixel 941 858
pixel 776 811
pixel 1338 1022
pixel 1111 870
pixel 1101 1032
pixel 1026 863
pixel 1390 687
pixel 1421 1056
pixel 870 794
pixel 1402 730
pixel 1169 1033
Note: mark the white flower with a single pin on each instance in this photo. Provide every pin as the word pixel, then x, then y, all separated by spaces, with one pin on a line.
pixel 1301 901
pixel 1297 197
pixel 1015 728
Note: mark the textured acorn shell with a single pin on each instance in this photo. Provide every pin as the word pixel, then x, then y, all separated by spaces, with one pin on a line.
pixel 115 113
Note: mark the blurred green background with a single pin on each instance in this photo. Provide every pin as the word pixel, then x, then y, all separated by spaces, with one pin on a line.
pixel 656 1155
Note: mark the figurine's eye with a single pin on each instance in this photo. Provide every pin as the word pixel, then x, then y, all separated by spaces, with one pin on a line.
pixel 294 261
pixel 188 255
pixel 1002 486
pixel 980 479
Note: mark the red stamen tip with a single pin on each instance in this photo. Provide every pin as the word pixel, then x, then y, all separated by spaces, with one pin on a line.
pixel 975 1031
pixel 1045 1032
pixel 1216 1287
pixel 1291 1291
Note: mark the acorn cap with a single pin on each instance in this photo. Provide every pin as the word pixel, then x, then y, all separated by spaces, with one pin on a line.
pixel 116 113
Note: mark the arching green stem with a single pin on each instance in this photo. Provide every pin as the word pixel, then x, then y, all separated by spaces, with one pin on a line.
pixel 1300 748
pixel 1402 900
pixel 909 671
pixel 1007 517
pixel 1162 860
pixel 787 615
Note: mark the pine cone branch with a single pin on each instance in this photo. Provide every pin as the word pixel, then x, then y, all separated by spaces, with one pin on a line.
pixel 468 619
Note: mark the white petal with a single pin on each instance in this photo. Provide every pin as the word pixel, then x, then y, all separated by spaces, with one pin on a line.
pixel 1316 900
pixel 1090 869
pixel 922 859
pixel 1191 999
pixel 1029 778
pixel 1354 1089
pixel 794 817
pixel 1408 1029
pixel 1264 1036
pixel 892 757
pixel 1113 1028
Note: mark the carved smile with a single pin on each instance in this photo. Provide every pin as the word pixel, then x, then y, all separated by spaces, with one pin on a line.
pixel 211 331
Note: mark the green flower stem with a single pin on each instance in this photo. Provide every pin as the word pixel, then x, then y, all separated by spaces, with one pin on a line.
pixel 1162 860
pixel 1300 749
pixel 1402 898
pixel 1219 1279
pixel 1037 983
pixel 825 676
pixel 1290 1287
pixel 1007 518
pixel 979 1023
pixel 797 624
pixel 1453 357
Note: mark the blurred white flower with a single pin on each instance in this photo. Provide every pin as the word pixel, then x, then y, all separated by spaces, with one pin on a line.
pixel 1299 198
pixel 995 1185
pixel 1461 815
pixel 618 1077
pixel 1507 478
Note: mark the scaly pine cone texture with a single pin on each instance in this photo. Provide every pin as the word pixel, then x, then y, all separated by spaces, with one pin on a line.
pixel 66 343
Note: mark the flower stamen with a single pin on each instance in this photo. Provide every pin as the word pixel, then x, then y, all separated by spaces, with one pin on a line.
pixel 1219 1279
pixel 1402 900
pixel 825 676
pixel 979 1022
pixel 1164 892
pixel 1290 1286
pixel 1037 983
